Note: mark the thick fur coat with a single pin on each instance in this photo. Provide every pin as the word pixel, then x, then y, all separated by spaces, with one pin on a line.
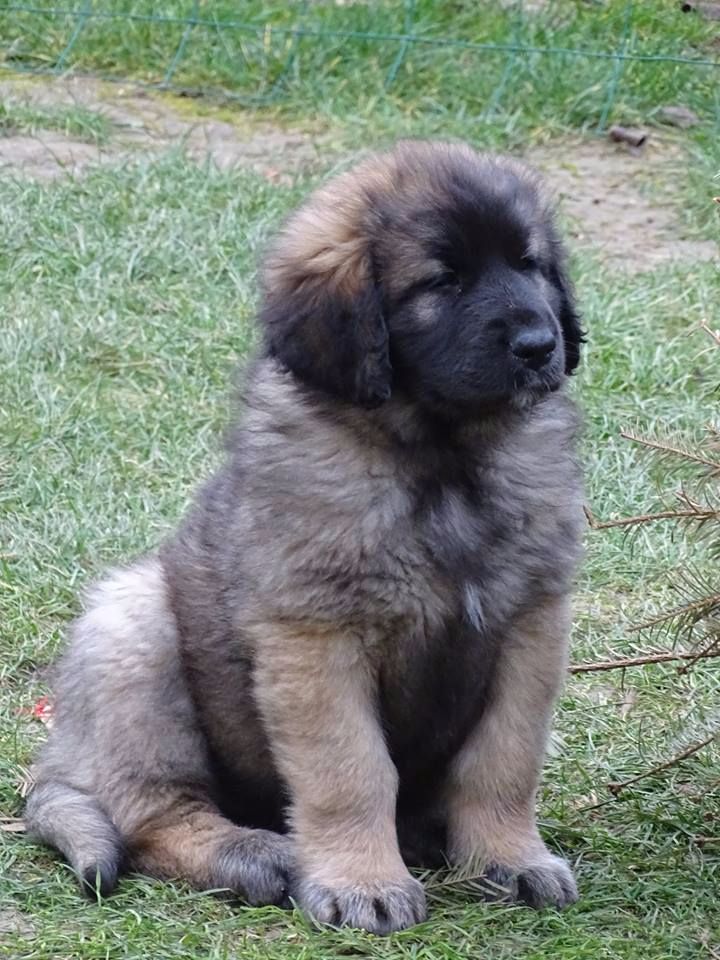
pixel 346 658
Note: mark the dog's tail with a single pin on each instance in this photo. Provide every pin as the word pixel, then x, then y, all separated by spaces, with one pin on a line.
pixel 74 823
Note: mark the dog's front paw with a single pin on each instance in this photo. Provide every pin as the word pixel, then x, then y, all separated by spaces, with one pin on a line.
pixel 376 906
pixel 547 882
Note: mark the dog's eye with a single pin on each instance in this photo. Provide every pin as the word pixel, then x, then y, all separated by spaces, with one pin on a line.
pixel 448 280
pixel 529 263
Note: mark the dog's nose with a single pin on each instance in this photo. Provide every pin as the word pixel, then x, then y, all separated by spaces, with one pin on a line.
pixel 534 346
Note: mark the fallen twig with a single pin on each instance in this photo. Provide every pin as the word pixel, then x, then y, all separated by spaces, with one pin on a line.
pixel 715 334
pixel 615 788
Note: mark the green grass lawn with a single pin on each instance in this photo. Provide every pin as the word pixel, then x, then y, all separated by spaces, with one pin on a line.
pixel 127 299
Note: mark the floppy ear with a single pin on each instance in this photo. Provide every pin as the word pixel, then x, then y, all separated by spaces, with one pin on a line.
pixel 573 334
pixel 324 321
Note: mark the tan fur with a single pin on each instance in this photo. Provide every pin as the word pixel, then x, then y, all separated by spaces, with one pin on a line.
pixel 327 240
pixel 183 843
pixel 492 784
pixel 315 689
pixel 194 842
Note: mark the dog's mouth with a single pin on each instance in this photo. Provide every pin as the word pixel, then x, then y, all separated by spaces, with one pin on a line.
pixel 474 393
pixel 531 386
pixel 519 397
pixel 547 379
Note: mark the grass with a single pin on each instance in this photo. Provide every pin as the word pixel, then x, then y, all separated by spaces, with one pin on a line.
pixel 127 298
pixel 76 121
pixel 252 54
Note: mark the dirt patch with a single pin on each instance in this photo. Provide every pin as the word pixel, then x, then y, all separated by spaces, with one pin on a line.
pixel 617 203
pixel 604 191
pixel 12 921
pixel 47 154
pixel 144 123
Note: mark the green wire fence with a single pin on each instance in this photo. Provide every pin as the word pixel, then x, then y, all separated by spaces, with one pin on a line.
pixel 476 59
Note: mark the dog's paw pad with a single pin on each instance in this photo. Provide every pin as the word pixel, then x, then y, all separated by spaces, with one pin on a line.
pixel 548 883
pixel 376 907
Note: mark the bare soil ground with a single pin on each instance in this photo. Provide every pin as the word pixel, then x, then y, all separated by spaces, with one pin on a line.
pixel 621 201
pixel 617 201
pixel 12 921
pixel 144 122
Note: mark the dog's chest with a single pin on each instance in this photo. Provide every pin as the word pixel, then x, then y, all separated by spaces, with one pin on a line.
pixel 432 690
pixel 492 545
pixel 439 650
pixel 478 546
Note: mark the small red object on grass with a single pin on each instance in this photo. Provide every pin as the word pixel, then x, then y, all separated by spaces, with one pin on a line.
pixel 42 710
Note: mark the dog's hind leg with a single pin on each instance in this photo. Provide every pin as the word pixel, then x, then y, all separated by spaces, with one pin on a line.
pixel 73 822
pixel 195 842
pixel 124 779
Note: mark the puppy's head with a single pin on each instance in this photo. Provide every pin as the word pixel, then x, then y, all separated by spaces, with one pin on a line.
pixel 433 270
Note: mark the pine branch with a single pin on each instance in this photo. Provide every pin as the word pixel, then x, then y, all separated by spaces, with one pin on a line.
pixel 660 657
pixel 616 788
pixel 684 497
pixel 697 609
pixel 699 515
pixel 664 447
pixel 711 650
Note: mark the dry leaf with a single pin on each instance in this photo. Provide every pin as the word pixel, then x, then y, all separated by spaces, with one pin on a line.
pixel 41 710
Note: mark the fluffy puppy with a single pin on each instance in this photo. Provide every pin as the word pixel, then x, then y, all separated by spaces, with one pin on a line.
pixel 360 629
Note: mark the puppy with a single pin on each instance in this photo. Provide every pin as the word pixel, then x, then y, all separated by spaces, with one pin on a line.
pixel 360 628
